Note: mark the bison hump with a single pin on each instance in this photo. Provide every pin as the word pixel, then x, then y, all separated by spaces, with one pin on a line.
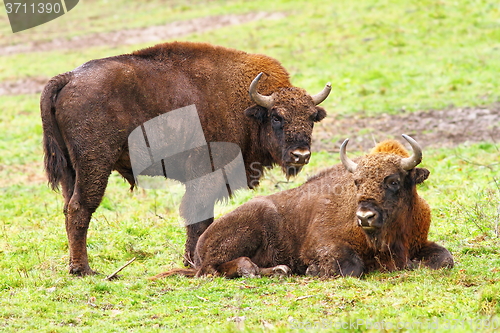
pixel 390 147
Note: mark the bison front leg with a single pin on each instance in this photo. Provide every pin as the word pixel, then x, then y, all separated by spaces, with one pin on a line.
pixel 197 210
pixel 334 261
pixel 194 232
pixel 434 256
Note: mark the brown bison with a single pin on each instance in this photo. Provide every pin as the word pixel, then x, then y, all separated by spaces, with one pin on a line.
pixel 89 112
pixel 348 220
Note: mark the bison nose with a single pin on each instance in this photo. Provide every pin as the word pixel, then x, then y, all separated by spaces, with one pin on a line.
pixel 300 156
pixel 366 218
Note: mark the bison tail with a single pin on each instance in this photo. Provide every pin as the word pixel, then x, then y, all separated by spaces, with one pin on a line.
pixel 53 144
pixel 189 272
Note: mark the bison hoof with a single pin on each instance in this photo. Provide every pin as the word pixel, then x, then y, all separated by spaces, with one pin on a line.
pixel 247 268
pixel 282 270
pixel 447 263
pixel 248 272
pixel 79 271
pixel 312 270
pixel 188 263
pixel 440 262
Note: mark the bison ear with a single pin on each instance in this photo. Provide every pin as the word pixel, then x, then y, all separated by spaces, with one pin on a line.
pixel 257 112
pixel 420 175
pixel 320 114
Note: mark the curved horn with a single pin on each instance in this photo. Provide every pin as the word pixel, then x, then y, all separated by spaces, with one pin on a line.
pixel 409 163
pixel 265 101
pixel 346 161
pixel 320 97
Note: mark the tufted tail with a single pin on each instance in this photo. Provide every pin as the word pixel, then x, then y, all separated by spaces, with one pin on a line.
pixel 53 144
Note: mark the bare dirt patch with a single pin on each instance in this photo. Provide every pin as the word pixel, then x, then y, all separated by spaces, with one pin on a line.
pixel 16 174
pixel 141 35
pixel 117 38
pixel 434 128
pixel 31 85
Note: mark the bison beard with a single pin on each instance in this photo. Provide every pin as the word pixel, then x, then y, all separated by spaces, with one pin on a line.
pixel 88 114
pixel 377 222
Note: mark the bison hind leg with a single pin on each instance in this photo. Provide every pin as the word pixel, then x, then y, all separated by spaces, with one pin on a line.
pixel 239 267
pixel 245 267
pixel 280 270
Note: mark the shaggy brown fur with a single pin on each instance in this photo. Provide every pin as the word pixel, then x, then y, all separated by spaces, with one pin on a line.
pixel 88 113
pixel 313 229
pixel 390 147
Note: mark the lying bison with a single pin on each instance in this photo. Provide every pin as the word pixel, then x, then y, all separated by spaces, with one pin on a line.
pixel 89 112
pixel 349 220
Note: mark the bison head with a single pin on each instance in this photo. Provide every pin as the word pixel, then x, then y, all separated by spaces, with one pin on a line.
pixel 286 120
pixel 385 183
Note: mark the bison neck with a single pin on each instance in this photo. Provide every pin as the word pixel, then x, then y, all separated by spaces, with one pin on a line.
pixel 256 152
pixel 393 246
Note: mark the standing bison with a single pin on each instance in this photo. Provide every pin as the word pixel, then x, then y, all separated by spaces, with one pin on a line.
pixel 88 114
pixel 349 220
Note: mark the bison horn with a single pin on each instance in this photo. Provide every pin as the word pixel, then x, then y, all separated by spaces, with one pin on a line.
pixel 320 97
pixel 409 163
pixel 346 161
pixel 265 101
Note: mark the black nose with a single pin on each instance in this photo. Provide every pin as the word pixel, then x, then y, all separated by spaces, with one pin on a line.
pixel 366 218
pixel 300 156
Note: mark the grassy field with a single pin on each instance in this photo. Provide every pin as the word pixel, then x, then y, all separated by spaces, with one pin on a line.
pixel 381 56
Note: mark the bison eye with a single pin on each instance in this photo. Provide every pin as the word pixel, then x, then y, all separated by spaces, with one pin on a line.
pixel 276 120
pixel 392 182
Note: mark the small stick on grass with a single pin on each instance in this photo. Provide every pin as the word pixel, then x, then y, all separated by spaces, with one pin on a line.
pixel 113 275
pixel 303 297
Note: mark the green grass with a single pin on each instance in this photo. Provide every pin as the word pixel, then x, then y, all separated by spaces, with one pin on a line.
pixel 36 292
pixel 381 56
